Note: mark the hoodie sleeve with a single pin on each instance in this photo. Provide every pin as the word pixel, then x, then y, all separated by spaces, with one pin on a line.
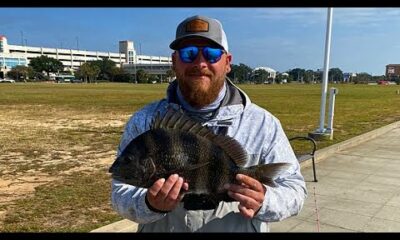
pixel 287 198
pixel 128 200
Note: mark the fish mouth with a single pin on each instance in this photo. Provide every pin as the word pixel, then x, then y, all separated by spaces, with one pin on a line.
pixel 117 177
pixel 130 181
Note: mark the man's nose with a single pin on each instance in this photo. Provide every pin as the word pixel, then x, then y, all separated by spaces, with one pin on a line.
pixel 200 60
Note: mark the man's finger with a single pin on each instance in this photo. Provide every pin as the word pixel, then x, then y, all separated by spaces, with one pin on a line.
pixel 185 186
pixel 244 200
pixel 245 191
pixel 247 212
pixel 174 193
pixel 156 187
pixel 166 188
pixel 250 182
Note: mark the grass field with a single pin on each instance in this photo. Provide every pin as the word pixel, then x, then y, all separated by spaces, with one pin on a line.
pixel 58 140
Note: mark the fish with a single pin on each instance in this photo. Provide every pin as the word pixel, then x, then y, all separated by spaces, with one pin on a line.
pixel 177 144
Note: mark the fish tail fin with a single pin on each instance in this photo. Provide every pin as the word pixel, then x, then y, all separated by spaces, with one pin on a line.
pixel 265 173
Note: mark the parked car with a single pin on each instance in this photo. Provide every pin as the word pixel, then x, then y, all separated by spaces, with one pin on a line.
pixel 383 82
pixel 6 80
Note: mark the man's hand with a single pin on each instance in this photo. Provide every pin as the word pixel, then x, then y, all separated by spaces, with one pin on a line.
pixel 165 195
pixel 250 194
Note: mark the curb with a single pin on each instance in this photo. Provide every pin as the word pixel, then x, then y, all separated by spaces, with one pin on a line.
pixel 320 155
pixel 120 226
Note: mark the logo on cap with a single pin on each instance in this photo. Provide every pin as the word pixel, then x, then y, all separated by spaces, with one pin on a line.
pixel 197 25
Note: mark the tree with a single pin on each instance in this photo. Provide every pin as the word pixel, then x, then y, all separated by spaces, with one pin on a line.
pixel 170 74
pixel 396 79
pixel 260 76
pixel 362 78
pixel 142 76
pixel 377 78
pixel 240 73
pixel 114 71
pixel 318 75
pixel 124 77
pixel 153 79
pixel 335 75
pixel 21 72
pixel 107 68
pixel 297 74
pixel 46 64
pixel 309 76
pixel 88 71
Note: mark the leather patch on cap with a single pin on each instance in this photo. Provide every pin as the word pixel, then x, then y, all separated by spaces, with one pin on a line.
pixel 197 25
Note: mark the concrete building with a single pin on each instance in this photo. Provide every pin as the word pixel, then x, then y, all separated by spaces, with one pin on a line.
pixel 72 59
pixel 271 72
pixel 392 70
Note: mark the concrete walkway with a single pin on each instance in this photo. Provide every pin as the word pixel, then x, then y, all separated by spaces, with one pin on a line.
pixel 358 188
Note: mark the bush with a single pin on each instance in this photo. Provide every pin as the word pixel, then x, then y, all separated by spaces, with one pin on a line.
pixel 124 77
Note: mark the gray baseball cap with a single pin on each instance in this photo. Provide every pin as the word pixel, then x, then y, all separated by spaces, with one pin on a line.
pixel 200 26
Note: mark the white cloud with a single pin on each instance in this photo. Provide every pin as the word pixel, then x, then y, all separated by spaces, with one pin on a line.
pixel 366 16
pixel 344 16
pixel 305 16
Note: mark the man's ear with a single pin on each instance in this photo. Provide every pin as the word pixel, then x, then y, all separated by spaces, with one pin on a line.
pixel 228 62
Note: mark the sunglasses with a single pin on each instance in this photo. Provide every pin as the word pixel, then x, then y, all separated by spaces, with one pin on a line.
pixel 189 54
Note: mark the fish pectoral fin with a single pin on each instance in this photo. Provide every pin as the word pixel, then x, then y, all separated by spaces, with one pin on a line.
pixel 191 167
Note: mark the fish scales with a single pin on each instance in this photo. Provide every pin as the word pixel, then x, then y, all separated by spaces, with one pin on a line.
pixel 177 144
pixel 174 150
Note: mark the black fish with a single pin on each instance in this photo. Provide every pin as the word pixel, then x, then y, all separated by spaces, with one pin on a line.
pixel 177 144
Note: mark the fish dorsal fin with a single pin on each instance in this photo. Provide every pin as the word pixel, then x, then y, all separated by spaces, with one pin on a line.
pixel 178 120
pixel 233 148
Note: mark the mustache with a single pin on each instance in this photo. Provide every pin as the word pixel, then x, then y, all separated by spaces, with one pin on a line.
pixel 196 71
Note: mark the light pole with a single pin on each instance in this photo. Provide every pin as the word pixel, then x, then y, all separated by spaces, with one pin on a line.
pixel 321 132
pixel 22 38
pixel 77 43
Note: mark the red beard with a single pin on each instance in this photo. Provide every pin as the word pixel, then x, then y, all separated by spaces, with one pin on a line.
pixel 196 93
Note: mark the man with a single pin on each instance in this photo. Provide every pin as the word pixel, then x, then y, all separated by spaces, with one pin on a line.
pixel 201 61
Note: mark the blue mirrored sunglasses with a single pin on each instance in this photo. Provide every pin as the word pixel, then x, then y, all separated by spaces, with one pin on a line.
pixel 189 54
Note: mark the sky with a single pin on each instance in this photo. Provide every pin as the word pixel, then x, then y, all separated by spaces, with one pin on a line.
pixel 363 39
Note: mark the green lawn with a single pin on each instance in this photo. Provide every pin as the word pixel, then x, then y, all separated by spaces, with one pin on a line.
pixel 60 131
